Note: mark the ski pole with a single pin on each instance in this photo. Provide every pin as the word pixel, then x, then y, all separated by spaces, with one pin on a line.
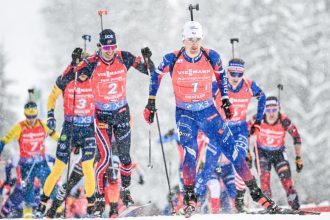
pixel 146 61
pixel 280 88
pixel 86 37
pixel 150 166
pixel 71 127
pixel 166 171
pixel 232 41
pixel 101 13
pixel 191 9
pixel 257 157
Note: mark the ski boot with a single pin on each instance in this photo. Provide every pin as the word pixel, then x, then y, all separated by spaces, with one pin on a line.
pixel 239 202
pixel 99 205
pixel 113 213
pixel 293 200
pixel 52 212
pixel 189 200
pixel 126 197
pixel 41 209
pixel 259 197
pixel 90 206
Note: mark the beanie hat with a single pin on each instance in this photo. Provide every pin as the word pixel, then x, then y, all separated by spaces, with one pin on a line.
pixel 30 109
pixel 272 101
pixel 236 65
pixel 192 29
pixel 107 37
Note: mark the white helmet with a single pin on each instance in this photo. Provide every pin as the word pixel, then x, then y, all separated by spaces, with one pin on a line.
pixel 192 29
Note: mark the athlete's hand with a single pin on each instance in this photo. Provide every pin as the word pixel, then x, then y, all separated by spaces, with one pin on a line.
pixel 149 111
pixel 249 159
pixel 51 121
pixel 146 52
pixel 255 128
pixel 76 55
pixel 299 164
pixel 228 108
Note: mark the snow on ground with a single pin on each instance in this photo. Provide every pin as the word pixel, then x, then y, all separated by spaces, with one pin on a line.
pixel 323 216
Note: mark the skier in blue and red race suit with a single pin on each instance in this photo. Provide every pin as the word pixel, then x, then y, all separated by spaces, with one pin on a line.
pixel 12 207
pixel 270 141
pixel 109 68
pixel 240 92
pixel 193 70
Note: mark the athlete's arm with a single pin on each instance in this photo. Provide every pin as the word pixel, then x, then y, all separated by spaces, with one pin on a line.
pixel 220 73
pixel 14 133
pixel 132 61
pixel 159 72
pixel 261 97
pixel 293 131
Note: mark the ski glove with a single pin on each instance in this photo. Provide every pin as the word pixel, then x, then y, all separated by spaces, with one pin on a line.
pixel 228 108
pixel 255 128
pixel 149 111
pixel 249 159
pixel 299 164
pixel 141 180
pixel 76 55
pixel 146 52
pixel 51 121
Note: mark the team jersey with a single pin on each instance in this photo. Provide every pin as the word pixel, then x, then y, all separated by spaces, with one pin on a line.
pixel 272 136
pixel 240 99
pixel 31 139
pixel 191 78
pixel 109 78
pixel 78 98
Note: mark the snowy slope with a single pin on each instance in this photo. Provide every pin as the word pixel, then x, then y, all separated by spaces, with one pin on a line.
pixel 323 216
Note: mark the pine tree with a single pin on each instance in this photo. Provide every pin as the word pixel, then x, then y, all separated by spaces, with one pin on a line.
pixel 6 114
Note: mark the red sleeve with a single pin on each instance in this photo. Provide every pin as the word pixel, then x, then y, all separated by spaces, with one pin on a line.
pixel 291 128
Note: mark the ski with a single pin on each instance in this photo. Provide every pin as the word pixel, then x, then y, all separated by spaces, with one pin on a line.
pixel 132 208
pixel 285 211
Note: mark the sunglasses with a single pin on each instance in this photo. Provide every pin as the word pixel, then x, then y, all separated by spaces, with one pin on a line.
pixel 236 74
pixel 109 47
pixel 194 39
pixel 269 110
pixel 30 116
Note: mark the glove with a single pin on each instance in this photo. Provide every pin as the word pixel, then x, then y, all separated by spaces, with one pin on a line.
pixel 146 52
pixel 141 180
pixel 228 108
pixel 51 121
pixel 255 128
pixel 76 55
pixel 249 159
pixel 149 111
pixel 2 145
pixel 299 164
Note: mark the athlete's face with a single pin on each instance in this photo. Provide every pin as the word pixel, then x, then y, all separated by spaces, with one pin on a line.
pixel 192 46
pixel 108 51
pixel 234 78
pixel 272 113
pixel 31 120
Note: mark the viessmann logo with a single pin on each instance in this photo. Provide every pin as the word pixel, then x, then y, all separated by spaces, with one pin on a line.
pixel 191 71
